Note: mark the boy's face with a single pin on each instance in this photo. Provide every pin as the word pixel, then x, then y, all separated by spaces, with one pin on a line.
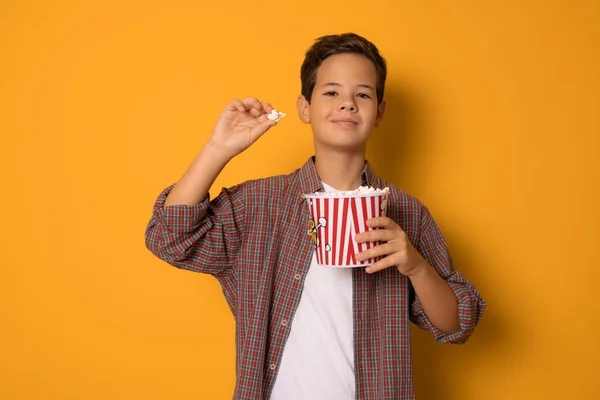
pixel 343 108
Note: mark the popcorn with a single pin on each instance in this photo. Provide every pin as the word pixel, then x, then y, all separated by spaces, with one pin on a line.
pixel 369 190
pixel 360 190
pixel 275 115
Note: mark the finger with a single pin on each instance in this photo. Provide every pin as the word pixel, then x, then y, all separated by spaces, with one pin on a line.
pixel 378 235
pixel 252 102
pixel 380 265
pixel 376 251
pixel 261 128
pixel 267 107
pixel 236 105
pixel 382 222
pixel 255 112
pixel 265 116
pixel 262 118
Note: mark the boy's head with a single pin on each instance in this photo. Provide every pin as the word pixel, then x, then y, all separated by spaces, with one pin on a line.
pixel 343 80
pixel 327 46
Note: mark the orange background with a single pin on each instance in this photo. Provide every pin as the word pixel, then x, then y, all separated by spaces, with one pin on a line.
pixel 493 122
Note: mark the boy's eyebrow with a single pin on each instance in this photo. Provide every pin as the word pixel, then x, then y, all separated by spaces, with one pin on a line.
pixel 337 84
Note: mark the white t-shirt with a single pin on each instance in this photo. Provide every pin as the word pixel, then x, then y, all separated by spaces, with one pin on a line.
pixel 318 357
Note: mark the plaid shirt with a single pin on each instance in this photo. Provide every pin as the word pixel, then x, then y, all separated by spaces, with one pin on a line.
pixel 253 239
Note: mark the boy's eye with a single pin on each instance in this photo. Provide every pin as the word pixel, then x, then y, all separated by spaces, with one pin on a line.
pixel 332 93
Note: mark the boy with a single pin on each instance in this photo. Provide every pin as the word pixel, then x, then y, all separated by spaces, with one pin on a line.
pixel 304 331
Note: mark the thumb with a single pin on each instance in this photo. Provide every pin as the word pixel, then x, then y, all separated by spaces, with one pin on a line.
pixel 259 130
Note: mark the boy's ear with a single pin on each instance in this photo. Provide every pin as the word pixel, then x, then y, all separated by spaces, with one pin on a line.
pixel 380 112
pixel 303 109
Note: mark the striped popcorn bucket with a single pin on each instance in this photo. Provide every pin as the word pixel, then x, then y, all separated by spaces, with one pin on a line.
pixel 336 220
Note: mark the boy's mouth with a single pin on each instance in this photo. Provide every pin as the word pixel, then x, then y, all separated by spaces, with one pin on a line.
pixel 345 122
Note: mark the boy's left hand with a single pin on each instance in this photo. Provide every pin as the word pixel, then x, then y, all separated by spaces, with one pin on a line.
pixel 398 249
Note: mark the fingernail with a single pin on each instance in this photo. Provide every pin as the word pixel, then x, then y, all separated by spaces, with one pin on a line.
pixel 369 270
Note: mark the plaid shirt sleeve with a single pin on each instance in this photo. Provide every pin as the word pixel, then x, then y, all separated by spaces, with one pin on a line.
pixel 432 246
pixel 202 238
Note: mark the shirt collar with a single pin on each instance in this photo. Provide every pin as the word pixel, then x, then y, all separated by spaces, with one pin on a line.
pixel 310 181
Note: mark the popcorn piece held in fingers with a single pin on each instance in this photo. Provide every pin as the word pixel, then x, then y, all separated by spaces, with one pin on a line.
pixel 275 115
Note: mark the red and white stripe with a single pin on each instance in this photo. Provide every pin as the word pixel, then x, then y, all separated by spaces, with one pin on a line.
pixel 337 221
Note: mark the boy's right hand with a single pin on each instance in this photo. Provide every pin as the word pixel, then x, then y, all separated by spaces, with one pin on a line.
pixel 240 125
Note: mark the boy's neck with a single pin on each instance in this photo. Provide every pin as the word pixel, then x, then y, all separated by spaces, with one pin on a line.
pixel 339 170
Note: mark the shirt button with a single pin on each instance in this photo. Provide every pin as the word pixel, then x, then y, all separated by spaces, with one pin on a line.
pixel 284 322
pixel 298 276
pixel 272 367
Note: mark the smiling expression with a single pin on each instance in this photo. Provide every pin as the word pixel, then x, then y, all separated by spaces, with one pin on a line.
pixel 343 109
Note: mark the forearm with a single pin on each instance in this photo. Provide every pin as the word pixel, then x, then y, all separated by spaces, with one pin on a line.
pixel 194 185
pixel 436 298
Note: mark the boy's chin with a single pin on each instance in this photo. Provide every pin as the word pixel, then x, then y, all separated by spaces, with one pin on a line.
pixel 341 138
pixel 349 146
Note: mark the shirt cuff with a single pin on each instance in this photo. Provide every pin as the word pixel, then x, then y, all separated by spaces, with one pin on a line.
pixel 180 218
pixel 470 309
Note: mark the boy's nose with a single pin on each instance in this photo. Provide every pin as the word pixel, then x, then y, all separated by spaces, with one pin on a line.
pixel 347 106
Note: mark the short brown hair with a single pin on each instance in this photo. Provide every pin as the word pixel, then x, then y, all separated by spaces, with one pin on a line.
pixel 330 45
